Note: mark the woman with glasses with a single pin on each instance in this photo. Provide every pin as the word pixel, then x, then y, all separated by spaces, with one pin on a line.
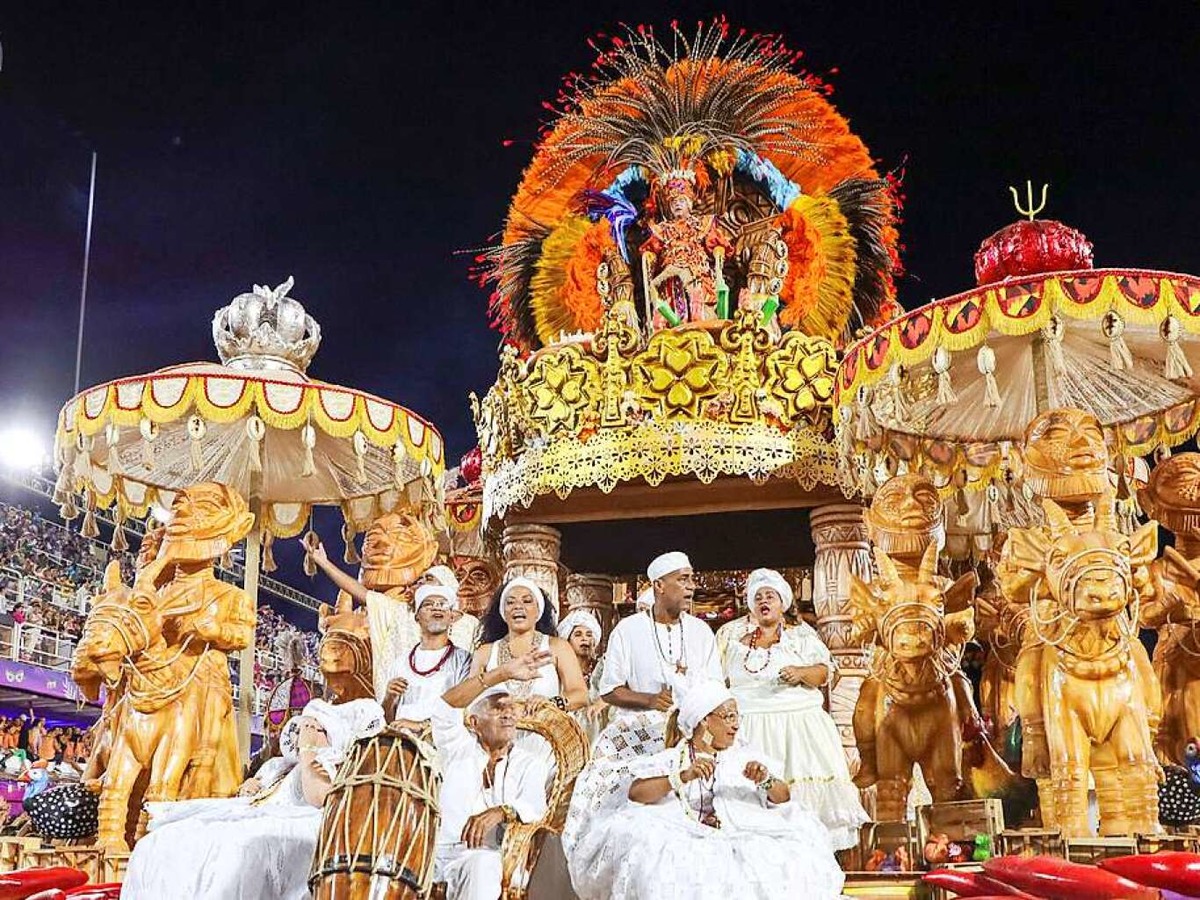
pixel 776 673
pixel 707 818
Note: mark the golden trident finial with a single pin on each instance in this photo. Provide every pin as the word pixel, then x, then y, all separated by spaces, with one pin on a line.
pixel 1029 209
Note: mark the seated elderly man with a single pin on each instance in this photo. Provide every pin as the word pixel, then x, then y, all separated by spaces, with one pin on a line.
pixel 486 782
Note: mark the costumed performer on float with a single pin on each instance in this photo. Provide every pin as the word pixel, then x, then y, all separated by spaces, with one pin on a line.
pixel 432 666
pixel 583 631
pixel 707 818
pixel 651 655
pixel 520 622
pixel 397 553
pixel 259 844
pixel 776 674
pixel 487 779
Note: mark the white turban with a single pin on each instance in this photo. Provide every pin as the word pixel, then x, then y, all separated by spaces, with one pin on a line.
pixel 577 618
pixel 533 588
pixel 664 565
pixel 429 591
pixel 768 578
pixel 344 723
pixel 443 575
pixel 698 702
pixel 645 599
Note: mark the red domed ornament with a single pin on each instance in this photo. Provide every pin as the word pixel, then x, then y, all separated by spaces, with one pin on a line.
pixel 1031 248
pixel 471 465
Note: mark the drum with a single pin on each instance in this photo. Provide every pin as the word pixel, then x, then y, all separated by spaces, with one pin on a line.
pixel 380 823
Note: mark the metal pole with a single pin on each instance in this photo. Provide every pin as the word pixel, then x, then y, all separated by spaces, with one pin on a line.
pixel 87 255
pixel 245 708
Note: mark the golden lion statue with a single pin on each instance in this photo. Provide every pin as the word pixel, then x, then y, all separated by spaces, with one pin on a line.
pixel 909 713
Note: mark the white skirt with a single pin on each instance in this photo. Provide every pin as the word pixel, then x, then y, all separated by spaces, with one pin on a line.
pixel 657 853
pixel 807 743
pixel 226 849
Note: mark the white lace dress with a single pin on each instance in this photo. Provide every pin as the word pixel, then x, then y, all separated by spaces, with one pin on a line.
pixel 661 851
pixel 791 725
pixel 232 849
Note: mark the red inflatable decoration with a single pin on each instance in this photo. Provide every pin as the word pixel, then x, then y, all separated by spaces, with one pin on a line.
pixel 1057 879
pixel 26 883
pixel 972 884
pixel 1031 248
pixel 470 467
pixel 1169 869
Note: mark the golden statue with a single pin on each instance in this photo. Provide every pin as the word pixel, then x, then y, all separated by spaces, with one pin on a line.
pixel 1065 460
pixel 162 644
pixel 344 653
pixel 905 519
pixel 1087 703
pixel 1172 496
pixel 908 711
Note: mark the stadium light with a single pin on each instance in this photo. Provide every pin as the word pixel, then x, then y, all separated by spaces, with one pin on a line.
pixel 21 448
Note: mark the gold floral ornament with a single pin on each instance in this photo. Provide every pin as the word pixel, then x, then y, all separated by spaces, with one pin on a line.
pixel 717 399
pixel 561 385
pixel 681 369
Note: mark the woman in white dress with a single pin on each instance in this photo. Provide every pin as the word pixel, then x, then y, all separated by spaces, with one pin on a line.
pixel 776 673
pixel 705 819
pixel 518 622
pixel 583 631
pixel 259 845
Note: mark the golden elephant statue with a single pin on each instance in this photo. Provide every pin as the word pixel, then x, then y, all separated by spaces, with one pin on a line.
pixel 910 713
pixel 1088 699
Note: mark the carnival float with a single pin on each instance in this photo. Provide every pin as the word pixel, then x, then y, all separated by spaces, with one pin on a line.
pixel 700 341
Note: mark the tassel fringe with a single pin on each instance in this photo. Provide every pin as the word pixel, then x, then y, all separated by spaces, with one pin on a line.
pixel 350 557
pixel 1118 351
pixel 1176 365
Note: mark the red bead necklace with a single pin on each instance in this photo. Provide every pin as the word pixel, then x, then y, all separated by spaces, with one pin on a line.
pixel 412 660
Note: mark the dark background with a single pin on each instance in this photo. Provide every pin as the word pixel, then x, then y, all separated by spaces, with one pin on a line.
pixel 359 148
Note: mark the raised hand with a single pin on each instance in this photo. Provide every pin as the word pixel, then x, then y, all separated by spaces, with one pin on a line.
pixel 396 688
pixel 525 667
pixel 663 700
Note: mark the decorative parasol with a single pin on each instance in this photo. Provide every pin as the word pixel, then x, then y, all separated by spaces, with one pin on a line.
pixel 948 389
pixel 255 422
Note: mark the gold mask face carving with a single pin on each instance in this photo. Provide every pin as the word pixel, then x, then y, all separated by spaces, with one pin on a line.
pixel 398 547
pixel 906 515
pixel 1065 455
pixel 1172 496
pixel 207 520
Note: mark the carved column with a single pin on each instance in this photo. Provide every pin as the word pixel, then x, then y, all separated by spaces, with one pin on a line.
pixel 532 551
pixel 842 550
pixel 595 594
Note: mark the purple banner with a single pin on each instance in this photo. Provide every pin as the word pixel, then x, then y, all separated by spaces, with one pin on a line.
pixel 36 680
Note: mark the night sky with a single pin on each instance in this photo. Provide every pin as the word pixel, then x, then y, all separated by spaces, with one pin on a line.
pixel 358 147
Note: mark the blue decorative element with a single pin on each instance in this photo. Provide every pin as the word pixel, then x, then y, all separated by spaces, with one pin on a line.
pixel 783 191
pixel 614 206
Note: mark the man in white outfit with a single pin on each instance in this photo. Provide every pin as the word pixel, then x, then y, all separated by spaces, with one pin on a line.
pixel 654 655
pixel 429 668
pixel 486 782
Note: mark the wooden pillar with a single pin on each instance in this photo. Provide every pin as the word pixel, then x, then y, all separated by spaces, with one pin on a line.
pixel 840 537
pixel 531 551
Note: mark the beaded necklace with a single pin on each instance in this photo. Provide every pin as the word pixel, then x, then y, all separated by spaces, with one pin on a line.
pixel 520 690
pixel 680 661
pixel 424 673
pixel 753 648
pixel 702 816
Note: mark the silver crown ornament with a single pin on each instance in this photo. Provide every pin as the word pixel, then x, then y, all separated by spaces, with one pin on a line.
pixel 266 329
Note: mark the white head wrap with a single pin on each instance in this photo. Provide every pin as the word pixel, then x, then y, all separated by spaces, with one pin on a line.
pixel 344 723
pixel 428 591
pixel 664 565
pixel 768 578
pixel 645 599
pixel 698 702
pixel 575 619
pixel 533 589
pixel 443 575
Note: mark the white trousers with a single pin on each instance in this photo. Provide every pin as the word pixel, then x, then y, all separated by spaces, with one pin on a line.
pixel 471 874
